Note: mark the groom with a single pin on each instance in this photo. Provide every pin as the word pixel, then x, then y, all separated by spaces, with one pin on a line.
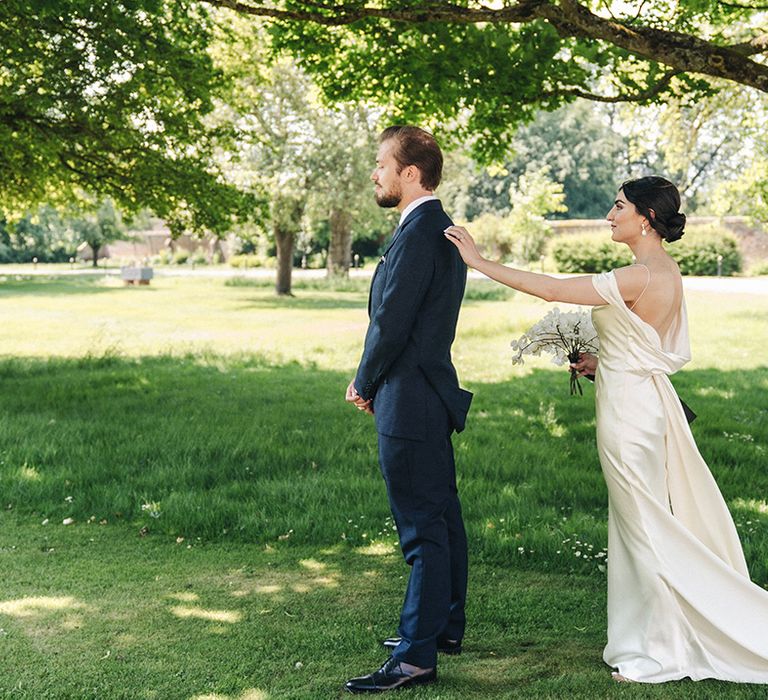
pixel 407 381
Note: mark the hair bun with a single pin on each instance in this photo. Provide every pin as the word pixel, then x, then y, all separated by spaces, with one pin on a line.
pixel 675 227
pixel 658 200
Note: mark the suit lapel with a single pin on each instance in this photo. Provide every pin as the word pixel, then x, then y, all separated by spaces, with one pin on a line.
pixel 432 204
pixel 382 261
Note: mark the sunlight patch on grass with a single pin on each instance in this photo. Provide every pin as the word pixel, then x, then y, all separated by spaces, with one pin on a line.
pixel 548 418
pixel 38 605
pixel 751 504
pixel 316 578
pixel 331 581
pixel 229 616
pixel 715 391
pixel 250 694
pixel 185 597
pixel 313 565
pixel 72 622
pixel 28 473
pixel 377 549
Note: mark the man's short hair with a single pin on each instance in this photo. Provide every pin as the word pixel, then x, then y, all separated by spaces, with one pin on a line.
pixel 417 147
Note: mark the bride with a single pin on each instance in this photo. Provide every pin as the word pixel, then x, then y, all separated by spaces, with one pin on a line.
pixel 680 601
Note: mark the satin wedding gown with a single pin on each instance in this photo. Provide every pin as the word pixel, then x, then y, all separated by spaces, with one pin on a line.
pixel 680 602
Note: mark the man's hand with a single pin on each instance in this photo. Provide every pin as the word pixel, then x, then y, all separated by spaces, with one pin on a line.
pixel 353 397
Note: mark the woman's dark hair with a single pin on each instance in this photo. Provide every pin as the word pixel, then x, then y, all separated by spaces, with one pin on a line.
pixel 416 147
pixel 658 200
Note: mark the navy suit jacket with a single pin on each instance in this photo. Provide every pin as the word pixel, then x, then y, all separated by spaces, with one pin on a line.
pixel 413 307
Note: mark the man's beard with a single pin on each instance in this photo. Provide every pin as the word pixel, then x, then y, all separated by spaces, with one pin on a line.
pixel 388 200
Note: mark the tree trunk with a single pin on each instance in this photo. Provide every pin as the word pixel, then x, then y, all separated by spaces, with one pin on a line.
pixel 285 242
pixel 340 246
pixel 214 250
pixel 95 248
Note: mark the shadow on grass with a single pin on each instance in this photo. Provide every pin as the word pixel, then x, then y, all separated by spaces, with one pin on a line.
pixel 315 293
pixel 19 285
pixel 109 614
pixel 294 622
pixel 304 300
pixel 237 449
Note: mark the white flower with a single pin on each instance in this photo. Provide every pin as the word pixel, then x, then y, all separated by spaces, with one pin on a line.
pixel 153 508
pixel 67 521
pixel 563 335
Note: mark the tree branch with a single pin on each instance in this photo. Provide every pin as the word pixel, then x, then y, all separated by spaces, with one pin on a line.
pixel 756 45
pixel 339 14
pixel 743 7
pixel 642 96
pixel 683 53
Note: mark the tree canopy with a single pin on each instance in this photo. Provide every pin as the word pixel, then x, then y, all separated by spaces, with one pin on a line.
pixel 483 68
pixel 111 99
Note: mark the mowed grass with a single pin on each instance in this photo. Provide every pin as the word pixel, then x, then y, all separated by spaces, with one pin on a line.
pixel 229 521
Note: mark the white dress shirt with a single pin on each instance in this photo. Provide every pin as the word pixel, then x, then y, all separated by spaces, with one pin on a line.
pixel 415 203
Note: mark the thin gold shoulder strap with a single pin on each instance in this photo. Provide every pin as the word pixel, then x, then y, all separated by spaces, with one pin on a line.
pixel 648 281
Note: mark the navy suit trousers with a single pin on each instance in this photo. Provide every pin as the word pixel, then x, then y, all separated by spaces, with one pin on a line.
pixel 421 485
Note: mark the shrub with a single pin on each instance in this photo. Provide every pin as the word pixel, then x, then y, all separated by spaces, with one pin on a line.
pixel 317 261
pixel 518 238
pixel 589 253
pixel 180 257
pixel 164 257
pixel 530 239
pixel 697 252
pixel 252 260
pixel 759 268
pixel 198 258
pixel 485 290
pixel 523 233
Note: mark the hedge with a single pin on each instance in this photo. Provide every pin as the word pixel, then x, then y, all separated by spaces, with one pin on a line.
pixel 696 253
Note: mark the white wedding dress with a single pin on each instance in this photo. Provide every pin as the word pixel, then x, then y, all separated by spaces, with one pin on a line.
pixel 680 601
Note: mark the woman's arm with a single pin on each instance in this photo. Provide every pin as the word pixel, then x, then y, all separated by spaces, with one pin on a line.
pixel 572 290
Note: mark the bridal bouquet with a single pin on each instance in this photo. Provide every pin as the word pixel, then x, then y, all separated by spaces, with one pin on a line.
pixel 564 335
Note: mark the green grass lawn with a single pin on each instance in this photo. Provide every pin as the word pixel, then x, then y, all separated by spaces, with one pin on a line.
pixel 230 535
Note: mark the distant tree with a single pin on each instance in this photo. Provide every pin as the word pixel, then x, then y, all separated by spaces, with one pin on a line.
pixel 341 188
pixel 700 146
pixel 99 226
pixel 42 234
pixel 747 195
pixel 576 145
pixel 311 160
pixel 272 112
pixel 522 232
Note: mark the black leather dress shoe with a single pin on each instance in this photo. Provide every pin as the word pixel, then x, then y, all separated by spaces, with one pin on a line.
pixel 444 646
pixel 389 677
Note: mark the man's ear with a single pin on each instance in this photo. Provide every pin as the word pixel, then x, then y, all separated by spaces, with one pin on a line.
pixel 412 174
